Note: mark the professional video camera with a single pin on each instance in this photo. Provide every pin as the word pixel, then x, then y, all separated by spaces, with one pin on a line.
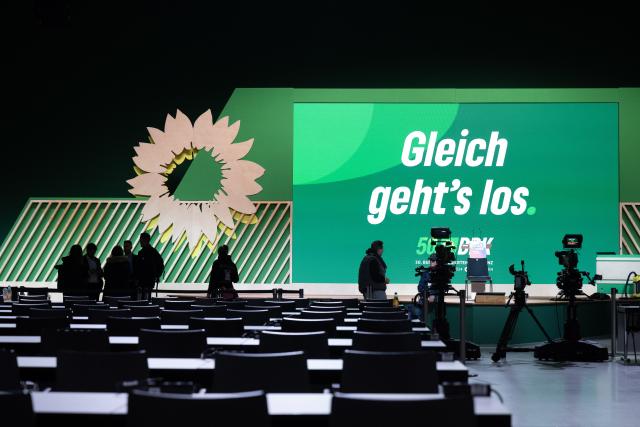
pixel 520 278
pixel 441 271
pixel 569 281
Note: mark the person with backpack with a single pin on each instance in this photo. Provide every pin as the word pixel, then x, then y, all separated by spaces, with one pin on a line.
pixel 224 274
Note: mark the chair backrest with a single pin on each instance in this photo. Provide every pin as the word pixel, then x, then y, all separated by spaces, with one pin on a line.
pixel 250 317
pixel 389 372
pixel 385 315
pixel 211 310
pixel 152 409
pixel 127 326
pixel 17 409
pixel 386 309
pixel 327 325
pixel 71 298
pixel 83 309
pixel 144 310
pixel 178 305
pixel 22 309
pixel 114 300
pixel 179 317
pixel 235 304
pixel 54 341
pixel 274 310
pixel 98 371
pixel 374 303
pixel 33 298
pixel 349 302
pixel 478 268
pixel 314 344
pixel 378 325
pixel 50 312
pixel 38 325
pixel 383 410
pixel 312 314
pixel 173 343
pixel 233 327
pixel 205 301
pixel 10 377
pixel 132 303
pixel 271 372
pixel 314 307
pixel 285 305
pixel 386 341
pixel 100 315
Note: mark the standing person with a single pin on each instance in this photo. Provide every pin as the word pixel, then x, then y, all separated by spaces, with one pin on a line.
pixel 73 272
pixel 131 260
pixel 117 274
pixel 372 275
pixel 224 274
pixel 148 266
pixel 94 280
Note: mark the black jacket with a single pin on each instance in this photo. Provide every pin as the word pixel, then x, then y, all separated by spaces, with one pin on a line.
pixel 224 273
pixel 372 272
pixel 73 274
pixel 117 276
pixel 148 267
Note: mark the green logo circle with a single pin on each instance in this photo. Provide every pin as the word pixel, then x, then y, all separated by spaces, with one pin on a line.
pixel 531 210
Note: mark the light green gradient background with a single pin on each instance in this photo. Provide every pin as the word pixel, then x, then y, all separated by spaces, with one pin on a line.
pixel 565 153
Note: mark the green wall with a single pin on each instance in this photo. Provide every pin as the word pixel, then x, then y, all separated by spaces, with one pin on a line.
pixel 267 115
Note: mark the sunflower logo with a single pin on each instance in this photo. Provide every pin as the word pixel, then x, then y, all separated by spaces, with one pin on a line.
pixel 196 179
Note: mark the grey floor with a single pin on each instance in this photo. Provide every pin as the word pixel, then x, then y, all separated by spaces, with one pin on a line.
pixel 545 394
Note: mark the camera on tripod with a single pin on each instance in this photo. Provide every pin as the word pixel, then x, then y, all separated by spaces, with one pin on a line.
pixel 569 279
pixel 441 269
pixel 520 277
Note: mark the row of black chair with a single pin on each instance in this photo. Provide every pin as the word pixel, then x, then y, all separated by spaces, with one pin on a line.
pixel 152 409
pixel 363 371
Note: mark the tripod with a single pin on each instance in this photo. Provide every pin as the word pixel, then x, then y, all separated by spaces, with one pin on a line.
pixel 520 302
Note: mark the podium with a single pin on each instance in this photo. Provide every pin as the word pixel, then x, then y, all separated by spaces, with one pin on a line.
pixel 477 267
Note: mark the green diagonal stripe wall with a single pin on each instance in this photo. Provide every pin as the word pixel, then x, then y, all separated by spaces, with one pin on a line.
pixel 46 229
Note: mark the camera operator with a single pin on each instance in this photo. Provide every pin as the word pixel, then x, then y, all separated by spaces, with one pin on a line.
pixel 372 279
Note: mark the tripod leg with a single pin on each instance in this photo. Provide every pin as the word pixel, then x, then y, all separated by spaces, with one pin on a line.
pixel 507 333
pixel 538 323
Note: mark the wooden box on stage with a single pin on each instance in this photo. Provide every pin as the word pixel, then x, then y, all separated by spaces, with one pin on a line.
pixel 490 298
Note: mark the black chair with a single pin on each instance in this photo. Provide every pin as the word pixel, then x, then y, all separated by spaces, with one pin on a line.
pixel 114 299
pixel 219 327
pixel 17 409
pixel 83 309
pixel 205 301
pixel 178 305
pixel 20 309
pixel 377 325
pixel 386 341
pixel 285 305
pixel 369 410
pixel 271 372
pixel 152 409
pixel 86 371
pixel 173 343
pixel 290 324
pixel 37 325
pixel 311 314
pixel 274 310
pixel 385 309
pixel 250 317
pixel 384 315
pixel 314 307
pixel 179 317
pixel 64 313
pixel 314 344
pixel 328 303
pixel 10 377
pixel 144 310
pixel 126 326
pixel 72 298
pixel 89 340
pixel 389 372
pixel 33 298
pixel 377 303
pixel 211 310
pixel 234 304
pixel 133 303
pixel 100 315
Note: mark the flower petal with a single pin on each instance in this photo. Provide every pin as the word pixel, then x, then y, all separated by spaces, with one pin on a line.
pixel 234 152
pixel 150 157
pixel 147 184
pixel 238 202
pixel 151 208
pixel 221 210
